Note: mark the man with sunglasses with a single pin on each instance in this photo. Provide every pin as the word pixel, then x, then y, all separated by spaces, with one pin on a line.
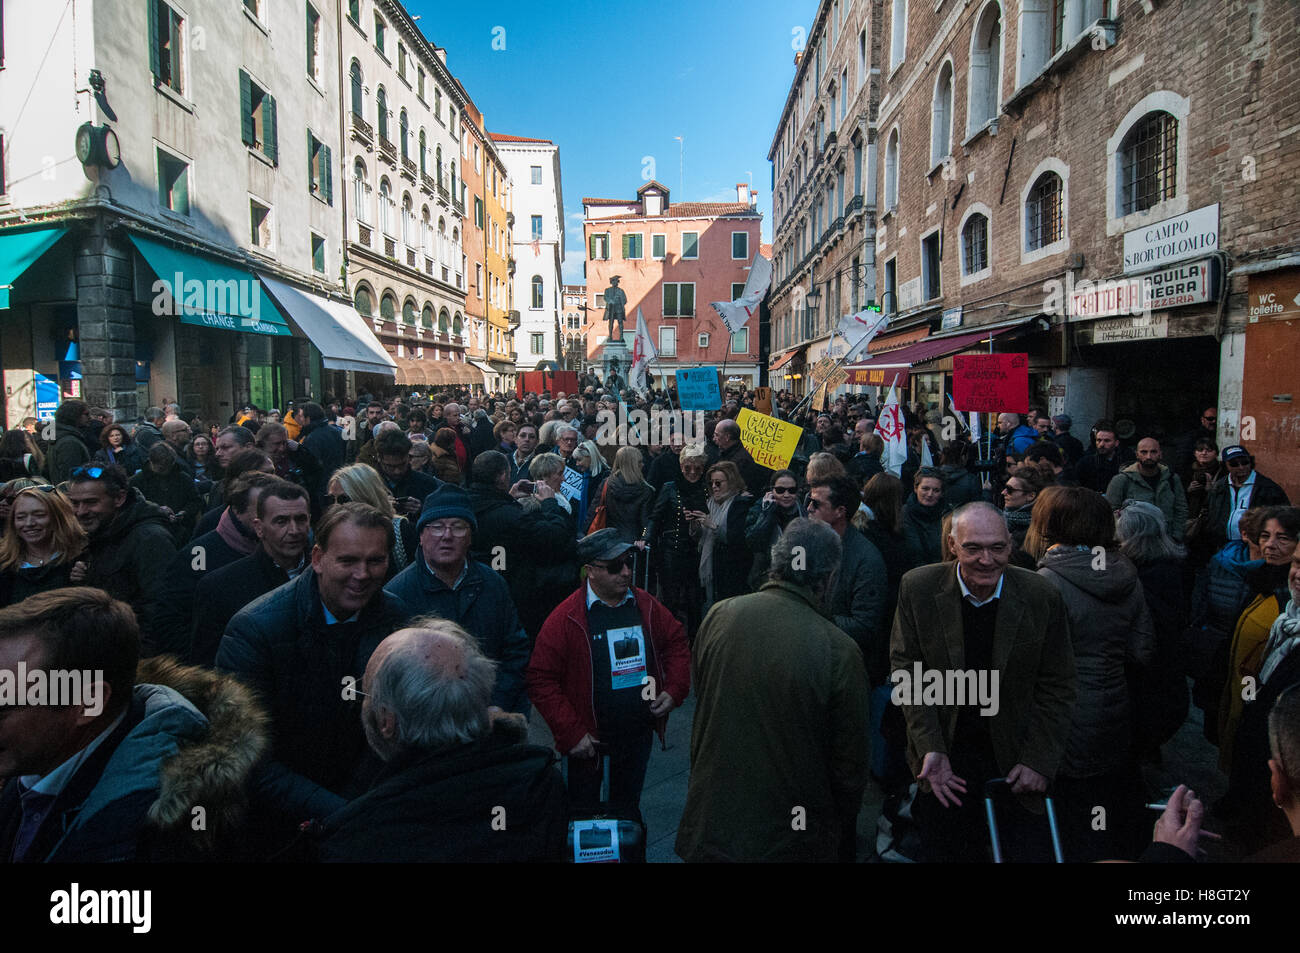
pixel 130 540
pixel 610 663
pixel 1241 489
pixel 443 581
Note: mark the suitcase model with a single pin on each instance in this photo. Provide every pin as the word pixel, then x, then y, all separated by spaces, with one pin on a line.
pixel 990 788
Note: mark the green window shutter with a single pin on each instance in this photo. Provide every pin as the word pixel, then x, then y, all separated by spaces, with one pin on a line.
pixel 627 247
pixel 329 174
pixel 670 300
pixel 245 107
pixel 591 250
pixel 688 299
pixel 268 110
pixel 312 169
pixel 154 66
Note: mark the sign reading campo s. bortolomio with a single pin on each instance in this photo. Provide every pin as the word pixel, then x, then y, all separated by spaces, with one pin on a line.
pixel 1192 233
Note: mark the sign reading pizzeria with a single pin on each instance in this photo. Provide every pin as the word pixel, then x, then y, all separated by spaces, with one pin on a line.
pixel 1195 282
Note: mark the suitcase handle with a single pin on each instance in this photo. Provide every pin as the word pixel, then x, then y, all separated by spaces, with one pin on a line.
pixel 991 787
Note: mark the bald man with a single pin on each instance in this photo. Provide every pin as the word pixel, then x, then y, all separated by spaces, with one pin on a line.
pixel 458 784
pixel 1150 481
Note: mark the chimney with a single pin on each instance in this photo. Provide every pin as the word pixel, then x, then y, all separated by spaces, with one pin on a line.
pixel 742 193
pixel 753 200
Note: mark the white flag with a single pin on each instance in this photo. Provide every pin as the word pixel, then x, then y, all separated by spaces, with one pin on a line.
pixel 860 329
pixel 927 459
pixel 735 314
pixel 890 427
pixel 643 352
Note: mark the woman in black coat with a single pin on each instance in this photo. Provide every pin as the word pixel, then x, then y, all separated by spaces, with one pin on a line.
pixel 163 482
pixel 923 518
pixel 768 519
pixel 674 547
pixel 116 446
pixel 724 558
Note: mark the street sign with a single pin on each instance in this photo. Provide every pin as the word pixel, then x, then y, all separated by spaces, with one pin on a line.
pixel 1274 297
pixel 1192 233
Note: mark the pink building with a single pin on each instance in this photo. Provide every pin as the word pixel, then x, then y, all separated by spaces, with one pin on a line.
pixel 672 259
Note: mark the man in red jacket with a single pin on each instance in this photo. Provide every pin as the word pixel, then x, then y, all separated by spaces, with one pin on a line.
pixel 610 663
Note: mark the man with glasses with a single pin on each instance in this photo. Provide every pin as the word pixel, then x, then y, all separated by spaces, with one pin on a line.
pixel 610 663
pixel 988 617
pixel 130 540
pixel 444 582
pixel 1241 489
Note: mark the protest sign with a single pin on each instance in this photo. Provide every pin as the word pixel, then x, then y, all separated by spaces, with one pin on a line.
pixel 697 388
pixel 770 442
pixel 991 383
pixel 763 400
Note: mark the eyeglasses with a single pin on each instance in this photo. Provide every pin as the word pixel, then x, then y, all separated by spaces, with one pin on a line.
pixel 1012 489
pixel 90 473
pixel 616 566
pixel 783 490
pixel 1230 464
pixel 717 483
pixel 458 530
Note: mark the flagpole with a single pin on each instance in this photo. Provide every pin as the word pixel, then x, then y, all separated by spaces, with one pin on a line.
pixel 840 363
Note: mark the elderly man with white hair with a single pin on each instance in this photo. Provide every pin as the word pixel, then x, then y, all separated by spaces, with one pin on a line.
pixel 458 785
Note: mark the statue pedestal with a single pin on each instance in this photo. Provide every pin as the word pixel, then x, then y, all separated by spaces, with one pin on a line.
pixel 615 358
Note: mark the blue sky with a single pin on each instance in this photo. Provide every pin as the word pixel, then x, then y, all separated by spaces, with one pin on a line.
pixel 612 83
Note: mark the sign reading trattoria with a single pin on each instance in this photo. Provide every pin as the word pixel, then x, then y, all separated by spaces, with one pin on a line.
pixel 1192 233
pixel 1194 282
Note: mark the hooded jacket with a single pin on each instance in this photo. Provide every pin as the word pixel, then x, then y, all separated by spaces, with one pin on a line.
pixel 923 532
pixel 1110 629
pixel 763 527
pixel 627 508
pixel 481 604
pixel 190 739
pixel 959 486
pixel 127 558
pixel 1168 495
pixel 560 674
pixel 325 443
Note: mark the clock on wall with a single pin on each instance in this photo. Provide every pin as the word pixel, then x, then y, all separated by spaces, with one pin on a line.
pixel 98 146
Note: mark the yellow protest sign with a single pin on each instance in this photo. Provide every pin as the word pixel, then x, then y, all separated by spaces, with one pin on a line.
pixel 770 442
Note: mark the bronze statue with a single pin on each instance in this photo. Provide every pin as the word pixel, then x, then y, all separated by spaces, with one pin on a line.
pixel 615 303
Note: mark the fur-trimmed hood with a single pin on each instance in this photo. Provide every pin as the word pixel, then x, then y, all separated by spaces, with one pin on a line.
pixel 210 770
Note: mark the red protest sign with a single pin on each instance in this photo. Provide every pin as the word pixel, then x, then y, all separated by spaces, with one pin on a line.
pixel 991 383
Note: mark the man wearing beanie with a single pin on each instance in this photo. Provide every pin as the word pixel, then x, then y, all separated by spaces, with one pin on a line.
pixel 444 582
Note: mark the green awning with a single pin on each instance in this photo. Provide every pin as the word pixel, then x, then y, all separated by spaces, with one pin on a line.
pixel 19 251
pixel 210 293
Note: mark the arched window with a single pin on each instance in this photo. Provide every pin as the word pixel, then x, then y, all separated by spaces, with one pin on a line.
pixel 985 85
pixel 408 222
pixel 426 317
pixel 437 103
pixel 1148 163
pixel 426 232
pixel 458 325
pixel 454 193
pixel 403 130
pixel 898 33
pixel 358 90
pixel 385 207
pixel 361 192
pixel 975 245
pixel 363 302
pixel 537 299
pixel 941 116
pixel 437 164
pixel 388 308
pixel 408 313
pixel 1045 212
pixel 891 171
pixel 424 170
pixel 443 320
pixel 381 102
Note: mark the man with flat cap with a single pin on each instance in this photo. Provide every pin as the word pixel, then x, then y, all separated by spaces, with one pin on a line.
pixel 610 663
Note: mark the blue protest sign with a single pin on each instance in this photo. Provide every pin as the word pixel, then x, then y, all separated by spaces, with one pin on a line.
pixel 697 388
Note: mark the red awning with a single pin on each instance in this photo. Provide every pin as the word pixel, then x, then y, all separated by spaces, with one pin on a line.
pixel 786 358
pixel 880 371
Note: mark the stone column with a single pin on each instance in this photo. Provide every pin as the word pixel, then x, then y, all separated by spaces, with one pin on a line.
pixel 239 371
pixel 105 327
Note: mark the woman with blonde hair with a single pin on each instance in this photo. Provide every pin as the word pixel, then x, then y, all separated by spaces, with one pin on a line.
pixel 41 544
pixel 361 483
pixel 627 497
pixel 724 557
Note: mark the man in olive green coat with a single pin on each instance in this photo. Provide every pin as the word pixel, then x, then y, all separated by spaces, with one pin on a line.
pixel 779 743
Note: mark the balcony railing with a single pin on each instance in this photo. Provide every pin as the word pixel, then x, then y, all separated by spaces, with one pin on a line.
pixel 388 150
pixel 426 183
pixel 857 204
pixel 459 205
pixel 443 193
pixel 362 129
pixel 409 168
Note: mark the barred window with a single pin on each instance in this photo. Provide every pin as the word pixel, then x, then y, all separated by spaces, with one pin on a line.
pixel 975 245
pixel 1148 163
pixel 1045 212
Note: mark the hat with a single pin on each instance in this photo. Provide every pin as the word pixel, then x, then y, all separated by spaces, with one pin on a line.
pixel 1235 452
pixel 447 502
pixel 603 544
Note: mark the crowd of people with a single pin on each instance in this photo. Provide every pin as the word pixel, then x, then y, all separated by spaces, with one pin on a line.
pixel 330 628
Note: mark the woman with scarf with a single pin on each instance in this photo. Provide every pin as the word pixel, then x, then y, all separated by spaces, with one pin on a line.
pixel 767 521
pixel 42 541
pixel 724 558
pixel 1018 495
pixel 1249 804
pixel 116 446
pixel 1279 530
pixel 674 547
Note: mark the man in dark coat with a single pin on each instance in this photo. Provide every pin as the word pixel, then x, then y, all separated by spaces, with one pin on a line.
pixel 726 436
pixel 857 603
pixel 322 441
pixel 534 549
pixel 1240 489
pixel 779 743
pixel 1100 465
pixel 71 448
pixel 393 461
pixel 442 581
pixel 458 783
pixel 283 529
pixel 130 539
pixel 233 539
pixel 302 647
